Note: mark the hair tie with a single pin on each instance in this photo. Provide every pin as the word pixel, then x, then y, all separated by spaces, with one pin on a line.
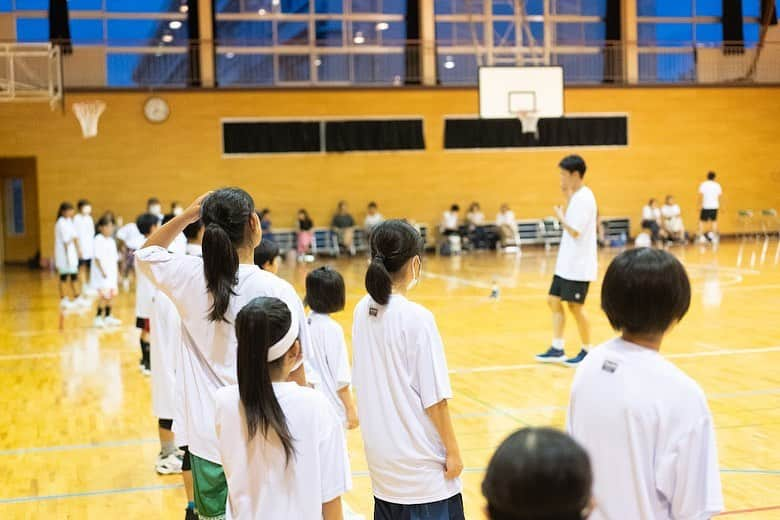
pixel 379 257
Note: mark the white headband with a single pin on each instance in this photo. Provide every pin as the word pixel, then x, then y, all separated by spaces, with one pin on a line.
pixel 279 348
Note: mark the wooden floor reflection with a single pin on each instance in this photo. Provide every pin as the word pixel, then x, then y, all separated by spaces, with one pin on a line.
pixel 78 440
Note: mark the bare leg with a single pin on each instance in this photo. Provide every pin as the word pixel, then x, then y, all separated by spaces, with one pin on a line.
pixel 583 325
pixel 558 317
pixel 187 477
pixel 62 289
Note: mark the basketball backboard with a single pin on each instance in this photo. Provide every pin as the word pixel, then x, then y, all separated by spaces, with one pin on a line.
pixel 507 92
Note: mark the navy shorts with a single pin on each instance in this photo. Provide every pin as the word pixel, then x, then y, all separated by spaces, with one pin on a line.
pixel 569 290
pixel 449 509
pixel 708 215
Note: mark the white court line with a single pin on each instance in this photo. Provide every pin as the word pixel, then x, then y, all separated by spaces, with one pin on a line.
pixel 462 281
pixel 722 352
pixel 40 355
pixel 725 269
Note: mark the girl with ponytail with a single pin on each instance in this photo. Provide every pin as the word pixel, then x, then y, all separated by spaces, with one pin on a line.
pixel 400 376
pixel 208 293
pixel 282 445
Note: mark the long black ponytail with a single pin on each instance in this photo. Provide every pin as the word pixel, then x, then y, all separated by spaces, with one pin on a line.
pixel 225 215
pixel 392 244
pixel 261 323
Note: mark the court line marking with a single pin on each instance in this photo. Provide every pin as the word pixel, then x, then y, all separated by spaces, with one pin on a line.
pixel 355 474
pixel 73 447
pixel 746 511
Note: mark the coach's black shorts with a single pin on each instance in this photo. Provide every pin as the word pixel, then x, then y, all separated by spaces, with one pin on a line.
pixel 569 290
pixel 85 261
pixel 708 215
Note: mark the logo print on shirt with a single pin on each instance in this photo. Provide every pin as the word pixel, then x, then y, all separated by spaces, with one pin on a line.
pixel 609 366
pixel 373 311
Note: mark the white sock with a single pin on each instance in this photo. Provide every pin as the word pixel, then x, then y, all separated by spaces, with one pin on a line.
pixel 558 343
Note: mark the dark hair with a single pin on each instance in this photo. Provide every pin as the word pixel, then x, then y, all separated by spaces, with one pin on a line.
pixel 82 202
pixel 474 205
pixel 325 292
pixel 64 206
pixel 305 213
pixel 644 291
pixel 192 230
pixel 392 244
pixel 110 216
pixel 225 214
pixel 372 204
pixel 265 252
pixel 145 223
pixel 167 218
pixel 105 220
pixel 538 473
pixel 341 205
pixel 454 207
pixel 711 176
pixel 650 202
pixel 261 323
pixel 174 204
pixel 262 213
pixel 152 200
pixel 669 197
pixel 573 163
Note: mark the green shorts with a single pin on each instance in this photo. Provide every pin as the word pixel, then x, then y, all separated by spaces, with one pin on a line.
pixel 210 487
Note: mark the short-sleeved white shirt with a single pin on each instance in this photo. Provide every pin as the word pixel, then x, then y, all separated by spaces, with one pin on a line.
pixel 371 221
pixel 449 220
pixel 507 218
pixel 649 433
pixel 260 483
pixel 578 257
pixel 328 356
pixel 144 294
pixel 131 236
pixel 670 211
pixel 650 213
pixel 106 253
pixel 399 369
pixel 476 218
pixel 66 256
pixel 209 355
pixel 85 229
pixel 710 194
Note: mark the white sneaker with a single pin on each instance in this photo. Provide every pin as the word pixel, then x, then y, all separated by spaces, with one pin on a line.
pixel 169 465
pixel 66 304
pixel 110 321
pixel 82 301
pixel 99 323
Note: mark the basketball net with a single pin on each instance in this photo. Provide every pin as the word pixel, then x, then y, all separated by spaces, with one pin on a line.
pixel 88 114
pixel 529 122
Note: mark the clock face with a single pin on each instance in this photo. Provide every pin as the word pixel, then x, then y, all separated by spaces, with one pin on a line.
pixel 156 109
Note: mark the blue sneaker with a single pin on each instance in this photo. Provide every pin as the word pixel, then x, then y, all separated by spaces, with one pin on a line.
pixel 573 362
pixel 553 355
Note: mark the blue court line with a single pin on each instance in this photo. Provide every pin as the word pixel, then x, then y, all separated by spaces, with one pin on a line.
pixel 356 474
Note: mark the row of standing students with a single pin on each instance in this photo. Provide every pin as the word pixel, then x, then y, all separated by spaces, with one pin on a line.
pixel 263 445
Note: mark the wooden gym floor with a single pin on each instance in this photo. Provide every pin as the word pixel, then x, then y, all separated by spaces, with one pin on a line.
pixel 77 438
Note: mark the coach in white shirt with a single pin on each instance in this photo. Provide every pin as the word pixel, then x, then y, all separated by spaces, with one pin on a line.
pixel 577 262
pixel 710 193
pixel 644 422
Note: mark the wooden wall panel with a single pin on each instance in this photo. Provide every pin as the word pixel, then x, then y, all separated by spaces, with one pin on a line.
pixel 675 136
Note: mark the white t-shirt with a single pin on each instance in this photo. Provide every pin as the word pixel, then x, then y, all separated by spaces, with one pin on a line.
pixel 131 236
pixel 670 211
pixel 260 482
pixel 165 351
pixel 194 249
pixel 649 434
pixel 66 256
pixel 506 218
pixel 710 194
pixel 106 253
pixel 372 221
pixel 144 294
pixel 449 220
pixel 329 358
pixel 179 245
pixel 476 218
pixel 651 213
pixel 578 257
pixel 209 354
pixel 85 229
pixel 399 370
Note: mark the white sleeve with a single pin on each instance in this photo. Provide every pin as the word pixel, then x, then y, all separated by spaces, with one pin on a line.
pixel 578 215
pixel 170 273
pixel 720 189
pixel 689 476
pixel 338 358
pixel 430 378
pixel 335 473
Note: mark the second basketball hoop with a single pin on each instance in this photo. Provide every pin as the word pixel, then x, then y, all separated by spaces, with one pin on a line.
pixel 88 113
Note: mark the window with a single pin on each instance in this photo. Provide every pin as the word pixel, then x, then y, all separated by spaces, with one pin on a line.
pixel 14 206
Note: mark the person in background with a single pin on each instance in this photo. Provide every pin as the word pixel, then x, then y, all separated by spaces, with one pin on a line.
pixel 265 221
pixel 194 235
pixel 147 224
pixel 85 229
pixel 450 221
pixel 507 227
pixel 66 258
pixel 130 239
pixel 475 221
pixel 305 233
pixel 154 207
pixel 643 421
pixel 651 220
pixel 344 226
pixel 104 275
pixel 267 256
pixel 176 208
pixel 710 193
pixel 538 473
pixel 672 220
pixel 373 217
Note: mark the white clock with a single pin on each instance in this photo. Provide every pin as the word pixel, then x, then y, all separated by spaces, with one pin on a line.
pixel 156 109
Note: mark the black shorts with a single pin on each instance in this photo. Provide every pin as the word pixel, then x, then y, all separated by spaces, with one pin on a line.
pixel 569 290
pixel 85 261
pixel 142 323
pixel 708 215
pixel 73 277
pixel 448 509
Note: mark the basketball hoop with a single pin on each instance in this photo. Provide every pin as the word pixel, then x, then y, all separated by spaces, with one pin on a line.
pixel 529 122
pixel 88 113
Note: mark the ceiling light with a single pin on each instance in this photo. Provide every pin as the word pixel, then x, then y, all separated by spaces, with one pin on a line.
pixel 184 8
pixel 317 62
pixel 167 38
pixel 230 55
pixel 382 26
pixel 449 63
pixel 261 12
pixel 359 39
pixel 175 24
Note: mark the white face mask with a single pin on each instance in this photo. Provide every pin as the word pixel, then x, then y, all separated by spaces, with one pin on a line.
pixel 416 280
pixel 178 211
pixel 86 210
pixel 155 209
